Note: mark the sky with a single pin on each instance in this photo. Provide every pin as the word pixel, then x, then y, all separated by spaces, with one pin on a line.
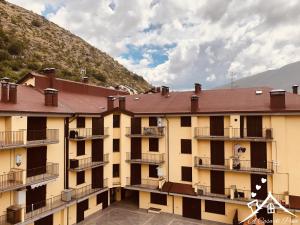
pixel 178 43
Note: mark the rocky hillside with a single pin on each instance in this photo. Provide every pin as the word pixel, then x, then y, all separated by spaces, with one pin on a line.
pixel 31 42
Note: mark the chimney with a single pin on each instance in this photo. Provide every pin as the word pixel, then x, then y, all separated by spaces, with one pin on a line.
pixel 85 80
pixel 277 99
pixel 50 72
pixel 51 97
pixel 110 103
pixel 122 103
pixel 198 88
pixel 13 93
pixel 4 90
pixel 194 103
pixel 165 90
pixel 295 89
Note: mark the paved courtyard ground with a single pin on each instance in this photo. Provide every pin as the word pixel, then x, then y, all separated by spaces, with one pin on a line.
pixel 124 214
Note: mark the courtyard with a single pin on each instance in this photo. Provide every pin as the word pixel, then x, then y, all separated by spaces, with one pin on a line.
pixel 122 213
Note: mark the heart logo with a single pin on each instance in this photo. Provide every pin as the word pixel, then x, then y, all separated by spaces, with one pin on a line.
pixel 258 187
pixel 263 180
pixel 253 194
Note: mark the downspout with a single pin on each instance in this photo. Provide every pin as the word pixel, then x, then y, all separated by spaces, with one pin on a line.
pixel 168 148
pixel 66 152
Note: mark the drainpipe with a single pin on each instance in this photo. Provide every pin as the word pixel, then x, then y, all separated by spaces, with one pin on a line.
pixel 168 148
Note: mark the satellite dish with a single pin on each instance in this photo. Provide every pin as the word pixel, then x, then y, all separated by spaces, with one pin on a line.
pixel 18 160
pixel 160 172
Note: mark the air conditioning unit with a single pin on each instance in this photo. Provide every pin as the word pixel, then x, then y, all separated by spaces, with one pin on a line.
pixel 73 134
pixel 201 190
pixel 74 163
pixel 66 195
pixel 20 197
pixel 14 214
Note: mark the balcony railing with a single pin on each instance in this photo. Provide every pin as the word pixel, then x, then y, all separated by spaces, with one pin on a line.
pixel 11 180
pixel 47 205
pixel 144 183
pixel 87 133
pixel 203 190
pixel 264 134
pixel 40 174
pixel 234 165
pixel 146 132
pixel 86 163
pixel 3 220
pixel 87 190
pixel 145 158
pixel 24 138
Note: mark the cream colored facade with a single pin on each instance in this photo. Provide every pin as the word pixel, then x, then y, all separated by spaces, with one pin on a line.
pixel 282 151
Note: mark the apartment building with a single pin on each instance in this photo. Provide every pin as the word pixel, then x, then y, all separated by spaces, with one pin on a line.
pixel 70 149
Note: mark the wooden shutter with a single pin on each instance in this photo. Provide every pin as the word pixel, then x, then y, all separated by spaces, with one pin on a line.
pixel 97 177
pixel 153 144
pixel 116 170
pixel 80 148
pixel 80 122
pixel 185 121
pixel 136 148
pixel 36 161
pixel 256 180
pixel 81 207
pixel 186 173
pixel 35 198
pixel 135 174
pixel 153 171
pixel 217 182
pixel 116 121
pixel 48 220
pixel 136 125
pixel 258 154
pixel 97 150
pixel 98 126
pixel 254 126
pixel 217 125
pixel 156 198
pixel 186 146
pixel 80 177
pixel 217 152
pixel 152 121
pixel 116 145
pixel 191 208
pixel 215 207
pixel 36 128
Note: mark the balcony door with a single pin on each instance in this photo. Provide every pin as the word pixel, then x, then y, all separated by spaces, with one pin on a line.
pixel 254 126
pixel 135 174
pixel 191 208
pixel 262 193
pixel 217 152
pixel 98 126
pixel 217 126
pixel 136 125
pixel 136 148
pixel 258 155
pixel 217 182
pixel 35 198
pixel 36 128
pixel 36 161
pixel 97 177
pixel 97 150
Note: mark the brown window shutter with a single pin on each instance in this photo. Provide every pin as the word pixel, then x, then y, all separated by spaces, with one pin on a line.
pixel 153 171
pixel 80 122
pixel 80 177
pixel 152 121
pixel 116 170
pixel 153 144
pixel 215 207
pixel 186 146
pixel 186 173
pixel 160 199
pixel 116 145
pixel 80 148
pixel 186 121
pixel 116 121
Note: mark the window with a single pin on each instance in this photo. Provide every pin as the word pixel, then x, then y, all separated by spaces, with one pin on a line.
pixel 153 171
pixel 153 145
pixel 116 170
pixel 152 121
pixel 80 122
pixel 80 148
pixel 116 121
pixel 186 146
pixel 215 207
pixel 80 177
pixel 159 199
pixel 186 173
pixel 185 121
pixel 116 145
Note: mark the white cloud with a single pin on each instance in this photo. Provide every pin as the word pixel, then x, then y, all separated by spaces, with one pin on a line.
pixel 211 38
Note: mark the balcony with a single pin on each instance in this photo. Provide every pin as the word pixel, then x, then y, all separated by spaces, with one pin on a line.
pixel 48 205
pixel 42 174
pixel 234 165
pixel 28 138
pixel 87 163
pixel 205 133
pixel 87 190
pixel 145 158
pixel 150 184
pixel 148 132
pixel 79 134
pixel 11 180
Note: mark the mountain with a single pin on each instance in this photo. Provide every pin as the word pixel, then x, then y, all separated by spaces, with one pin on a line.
pixel 283 78
pixel 31 42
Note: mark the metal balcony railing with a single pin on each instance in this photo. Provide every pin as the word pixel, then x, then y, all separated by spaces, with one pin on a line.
pixel 87 133
pixel 11 139
pixel 11 180
pixel 87 190
pixel 234 164
pixel 46 136
pixel 85 163
pixel 40 174
pixel 144 183
pixel 146 132
pixel 204 190
pixel 47 205
pixel 233 133
pixel 147 158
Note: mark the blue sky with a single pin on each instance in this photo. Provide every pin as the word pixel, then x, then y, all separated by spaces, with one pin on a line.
pixel 177 43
